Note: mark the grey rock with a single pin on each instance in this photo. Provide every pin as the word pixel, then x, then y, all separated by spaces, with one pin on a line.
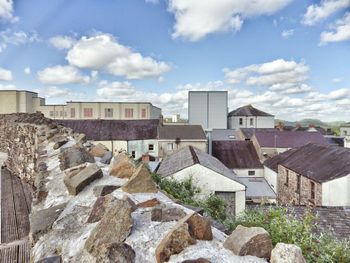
pixel 106 159
pixel 73 156
pixel 99 208
pixel 54 259
pixel 163 213
pixel 60 143
pixel 286 253
pixel 198 260
pixel 140 182
pixel 121 253
pixel 102 190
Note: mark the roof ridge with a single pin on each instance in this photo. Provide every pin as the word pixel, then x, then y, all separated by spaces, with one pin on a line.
pixel 194 155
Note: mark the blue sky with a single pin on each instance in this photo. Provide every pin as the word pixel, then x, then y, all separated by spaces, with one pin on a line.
pixel 287 57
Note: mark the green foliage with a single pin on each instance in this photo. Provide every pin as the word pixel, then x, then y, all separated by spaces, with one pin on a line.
pixel 286 228
pixel 215 206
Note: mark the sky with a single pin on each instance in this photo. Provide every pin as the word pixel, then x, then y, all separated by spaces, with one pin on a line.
pixel 290 58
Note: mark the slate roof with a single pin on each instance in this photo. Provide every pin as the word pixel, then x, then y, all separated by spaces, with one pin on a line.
pixel 236 154
pixel 334 140
pixel 188 156
pixel 318 162
pixel 248 110
pixel 285 139
pixel 249 132
pixel 257 187
pixel 107 130
pixel 224 135
pixel 183 132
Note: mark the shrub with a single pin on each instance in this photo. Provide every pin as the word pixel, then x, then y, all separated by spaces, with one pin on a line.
pixel 215 206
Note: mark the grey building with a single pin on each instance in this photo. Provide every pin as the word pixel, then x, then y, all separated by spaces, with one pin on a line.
pixel 208 108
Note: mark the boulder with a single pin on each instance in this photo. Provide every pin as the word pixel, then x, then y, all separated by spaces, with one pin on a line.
pixel 287 253
pixel 149 203
pixel 53 259
pixel 176 240
pixel 140 182
pixel 121 253
pixel 198 226
pixel 106 159
pixel 198 260
pixel 99 208
pixel 114 227
pixel 41 221
pixel 102 190
pixel 80 138
pixel 76 182
pixel 253 241
pixel 164 213
pixel 74 156
pixel 98 150
pixel 122 166
pixel 60 143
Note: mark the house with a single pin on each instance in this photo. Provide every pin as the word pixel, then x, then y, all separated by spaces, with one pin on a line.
pixel 271 143
pixel 174 137
pixel 137 137
pixel 208 109
pixel 247 133
pixel 12 101
pixel 345 132
pixel 207 173
pixel 313 174
pixel 250 117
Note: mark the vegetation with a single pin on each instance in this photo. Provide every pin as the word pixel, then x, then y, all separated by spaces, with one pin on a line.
pixel 281 224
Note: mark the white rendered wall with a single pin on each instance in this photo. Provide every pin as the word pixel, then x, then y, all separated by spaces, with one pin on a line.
pixel 257 122
pixel 271 178
pixel 244 172
pixel 336 192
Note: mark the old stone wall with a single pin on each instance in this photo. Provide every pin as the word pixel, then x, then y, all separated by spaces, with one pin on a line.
pixel 288 193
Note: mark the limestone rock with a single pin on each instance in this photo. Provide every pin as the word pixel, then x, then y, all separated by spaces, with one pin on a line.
pixel 41 221
pixel 122 166
pixel 163 213
pixel 98 150
pixel 114 227
pixel 102 190
pixel 198 226
pixel 121 253
pixel 73 156
pixel 140 182
pixel 106 159
pixel 198 260
pixel 286 253
pixel 54 259
pixel 149 203
pixel 176 240
pixel 254 241
pixel 75 183
pixel 99 208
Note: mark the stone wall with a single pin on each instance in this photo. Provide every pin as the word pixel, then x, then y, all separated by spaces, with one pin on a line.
pixel 289 193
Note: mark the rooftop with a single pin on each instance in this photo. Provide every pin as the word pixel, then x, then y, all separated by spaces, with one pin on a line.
pixel 249 132
pixel 223 135
pixel 257 188
pixel 182 132
pixel 236 154
pixel 248 110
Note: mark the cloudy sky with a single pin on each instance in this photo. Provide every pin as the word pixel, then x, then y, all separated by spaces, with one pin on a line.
pixel 290 58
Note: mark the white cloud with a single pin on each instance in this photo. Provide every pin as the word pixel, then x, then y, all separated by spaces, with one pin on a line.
pixel 340 32
pixel 27 70
pixel 6 11
pixel 287 33
pixel 7 87
pixel 316 13
pixel 62 75
pixel 5 74
pixel 152 1
pixel 337 80
pixel 8 37
pixel 53 92
pixel 195 19
pixel 62 42
pixel 103 52
pixel 339 94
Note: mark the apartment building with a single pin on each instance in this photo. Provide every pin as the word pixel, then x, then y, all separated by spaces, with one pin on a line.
pixel 12 101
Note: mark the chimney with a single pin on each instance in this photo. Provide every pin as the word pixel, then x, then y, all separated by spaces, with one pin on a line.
pixel 280 126
pixel 146 158
pixel 298 126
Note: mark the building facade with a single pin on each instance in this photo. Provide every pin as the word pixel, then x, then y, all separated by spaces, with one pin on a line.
pixel 208 108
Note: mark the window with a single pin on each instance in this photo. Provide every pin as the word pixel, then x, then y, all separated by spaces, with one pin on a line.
pixel 251 121
pixel 129 113
pixel 108 113
pixel 345 133
pixel 287 178
pixel 143 113
pixel 133 154
pixel 298 183
pixel 150 147
pixel 56 113
pixel 61 113
pixel 312 185
pixel 72 113
pixel 170 147
pixel 240 121
pixel 52 113
pixel 65 114
pixel 88 112
pixel 251 172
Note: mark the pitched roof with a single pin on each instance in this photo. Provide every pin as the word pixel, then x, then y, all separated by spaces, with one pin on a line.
pixel 288 139
pixel 248 110
pixel 188 156
pixel 236 154
pixel 257 187
pixel 321 163
pixel 183 132
pixel 249 132
pixel 107 130
pixel 224 135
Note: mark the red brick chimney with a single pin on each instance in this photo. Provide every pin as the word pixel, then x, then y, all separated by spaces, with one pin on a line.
pixel 146 158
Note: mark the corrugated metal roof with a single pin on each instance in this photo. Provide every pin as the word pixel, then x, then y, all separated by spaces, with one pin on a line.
pixel 183 132
pixel 236 154
pixel 248 110
pixel 257 187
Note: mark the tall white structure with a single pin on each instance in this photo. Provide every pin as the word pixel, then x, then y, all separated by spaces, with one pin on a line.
pixel 208 108
pixel 250 117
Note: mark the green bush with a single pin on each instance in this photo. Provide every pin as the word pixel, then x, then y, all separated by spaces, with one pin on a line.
pixel 215 206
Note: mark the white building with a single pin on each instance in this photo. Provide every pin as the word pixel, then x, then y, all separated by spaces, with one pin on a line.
pixel 250 117
pixel 345 132
pixel 207 173
pixel 208 108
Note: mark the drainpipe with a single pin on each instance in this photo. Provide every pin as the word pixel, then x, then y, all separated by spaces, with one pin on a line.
pixel 209 142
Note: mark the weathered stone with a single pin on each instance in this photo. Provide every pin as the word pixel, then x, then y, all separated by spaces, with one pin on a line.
pixel 121 253
pixel 176 240
pixel 287 253
pixel 198 260
pixel 198 226
pixel 149 203
pixel 54 259
pixel 74 156
pixel 98 150
pixel 59 144
pixel 99 208
pixel 80 138
pixel 254 241
pixel 101 190
pixel 140 182
pixel 164 213
pixel 75 183
pixel 122 166
pixel 106 159
pixel 114 227
pixel 41 221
